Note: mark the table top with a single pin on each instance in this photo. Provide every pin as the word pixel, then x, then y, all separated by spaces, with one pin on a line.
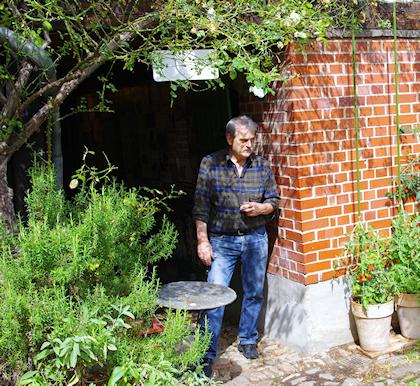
pixel 195 295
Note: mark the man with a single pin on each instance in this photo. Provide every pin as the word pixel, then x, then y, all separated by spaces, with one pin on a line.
pixel 235 196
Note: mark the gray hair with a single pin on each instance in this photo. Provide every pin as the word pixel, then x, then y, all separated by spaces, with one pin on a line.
pixel 241 121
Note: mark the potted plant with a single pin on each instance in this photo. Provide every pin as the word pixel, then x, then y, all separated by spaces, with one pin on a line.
pixel 404 252
pixel 366 256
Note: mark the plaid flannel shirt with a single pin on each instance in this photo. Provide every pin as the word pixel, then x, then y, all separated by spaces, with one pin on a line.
pixel 220 191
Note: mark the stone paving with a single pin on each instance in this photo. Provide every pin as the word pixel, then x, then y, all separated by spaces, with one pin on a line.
pixel 344 365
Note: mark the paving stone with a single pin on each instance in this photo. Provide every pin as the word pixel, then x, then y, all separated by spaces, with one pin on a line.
pixel 241 381
pixel 313 371
pixel 327 376
pixel 291 376
pixel 286 367
pixel 297 381
pixel 256 376
pixel 402 371
pixel 315 361
pixel 351 382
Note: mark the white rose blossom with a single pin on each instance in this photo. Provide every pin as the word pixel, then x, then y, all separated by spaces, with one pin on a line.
pixel 211 13
pixel 300 34
pixel 257 91
pixel 292 20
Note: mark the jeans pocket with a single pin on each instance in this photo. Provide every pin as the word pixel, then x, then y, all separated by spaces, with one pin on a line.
pixel 216 237
pixel 261 232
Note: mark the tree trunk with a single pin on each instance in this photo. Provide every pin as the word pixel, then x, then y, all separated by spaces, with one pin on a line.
pixel 7 211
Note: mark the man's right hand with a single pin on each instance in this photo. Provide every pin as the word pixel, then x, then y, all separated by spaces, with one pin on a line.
pixel 204 252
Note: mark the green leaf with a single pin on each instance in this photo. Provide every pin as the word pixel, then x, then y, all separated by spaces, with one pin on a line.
pixel 28 376
pixel 129 314
pixel 45 344
pixel 74 355
pixel 74 379
pixel 116 375
pixel 43 354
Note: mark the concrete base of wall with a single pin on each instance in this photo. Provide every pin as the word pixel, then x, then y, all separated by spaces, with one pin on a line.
pixel 311 318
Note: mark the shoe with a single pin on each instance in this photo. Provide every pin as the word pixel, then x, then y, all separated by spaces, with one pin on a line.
pixel 208 367
pixel 249 351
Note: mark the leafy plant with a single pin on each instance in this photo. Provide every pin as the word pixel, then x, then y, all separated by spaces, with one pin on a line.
pixel 404 251
pixel 410 182
pixel 367 265
pixel 74 275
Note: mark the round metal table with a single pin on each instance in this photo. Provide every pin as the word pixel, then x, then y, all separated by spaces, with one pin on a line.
pixel 195 295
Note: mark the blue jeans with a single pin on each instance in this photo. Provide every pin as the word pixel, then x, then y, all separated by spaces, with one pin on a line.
pixel 251 249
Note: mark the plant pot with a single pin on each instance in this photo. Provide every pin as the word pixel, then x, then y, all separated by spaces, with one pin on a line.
pixel 373 325
pixel 408 310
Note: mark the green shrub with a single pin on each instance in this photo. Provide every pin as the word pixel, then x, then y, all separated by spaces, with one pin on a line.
pixel 404 252
pixel 75 275
pixel 368 266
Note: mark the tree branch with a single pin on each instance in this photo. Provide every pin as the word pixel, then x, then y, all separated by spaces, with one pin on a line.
pixel 9 109
pixel 19 139
pixel 46 90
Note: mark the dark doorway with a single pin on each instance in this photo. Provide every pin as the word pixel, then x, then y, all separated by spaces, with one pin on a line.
pixel 154 145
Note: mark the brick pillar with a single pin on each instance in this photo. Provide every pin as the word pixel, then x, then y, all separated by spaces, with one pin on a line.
pixel 307 131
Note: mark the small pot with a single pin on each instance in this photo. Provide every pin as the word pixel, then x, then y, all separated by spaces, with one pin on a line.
pixel 373 325
pixel 408 310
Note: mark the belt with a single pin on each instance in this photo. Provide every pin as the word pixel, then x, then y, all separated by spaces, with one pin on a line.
pixel 236 232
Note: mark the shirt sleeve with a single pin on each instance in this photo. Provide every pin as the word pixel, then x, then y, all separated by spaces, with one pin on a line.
pixel 201 208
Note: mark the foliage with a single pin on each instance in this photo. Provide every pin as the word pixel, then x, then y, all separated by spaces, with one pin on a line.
pixel 50 48
pixel 409 182
pixel 368 264
pixel 77 38
pixel 404 251
pixel 75 275
pixel 380 267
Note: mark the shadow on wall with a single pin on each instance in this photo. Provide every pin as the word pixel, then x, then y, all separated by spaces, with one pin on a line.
pixel 280 315
pixel 346 299
pixel 311 318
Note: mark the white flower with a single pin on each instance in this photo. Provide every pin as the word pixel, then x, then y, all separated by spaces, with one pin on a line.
pixel 211 13
pixel 73 183
pixel 292 20
pixel 257 91
pixel 294 16
pixel 300 34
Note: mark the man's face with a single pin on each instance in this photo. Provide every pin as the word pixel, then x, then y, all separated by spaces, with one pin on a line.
pixel 242 144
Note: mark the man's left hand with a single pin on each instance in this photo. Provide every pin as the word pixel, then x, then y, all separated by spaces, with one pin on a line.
pixel 253 209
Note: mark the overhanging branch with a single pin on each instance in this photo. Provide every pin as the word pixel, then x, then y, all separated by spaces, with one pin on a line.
pixel 30 127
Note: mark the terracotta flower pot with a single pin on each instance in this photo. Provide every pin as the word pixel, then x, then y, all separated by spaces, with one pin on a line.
pixel 373 325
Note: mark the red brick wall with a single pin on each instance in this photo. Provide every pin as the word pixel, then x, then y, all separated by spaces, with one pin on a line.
pixel 308 134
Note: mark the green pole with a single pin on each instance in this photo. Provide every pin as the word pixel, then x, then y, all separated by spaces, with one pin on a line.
pixel 356 114
pixel 397 106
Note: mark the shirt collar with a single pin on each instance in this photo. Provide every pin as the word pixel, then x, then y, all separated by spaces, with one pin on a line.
pixel 248 162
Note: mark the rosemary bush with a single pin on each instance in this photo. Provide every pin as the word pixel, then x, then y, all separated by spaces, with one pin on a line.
pixel 76 273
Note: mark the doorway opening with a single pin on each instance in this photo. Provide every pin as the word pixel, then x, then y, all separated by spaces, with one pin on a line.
pixel 155 145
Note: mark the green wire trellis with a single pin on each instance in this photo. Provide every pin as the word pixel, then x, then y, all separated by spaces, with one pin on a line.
pixel 356 107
